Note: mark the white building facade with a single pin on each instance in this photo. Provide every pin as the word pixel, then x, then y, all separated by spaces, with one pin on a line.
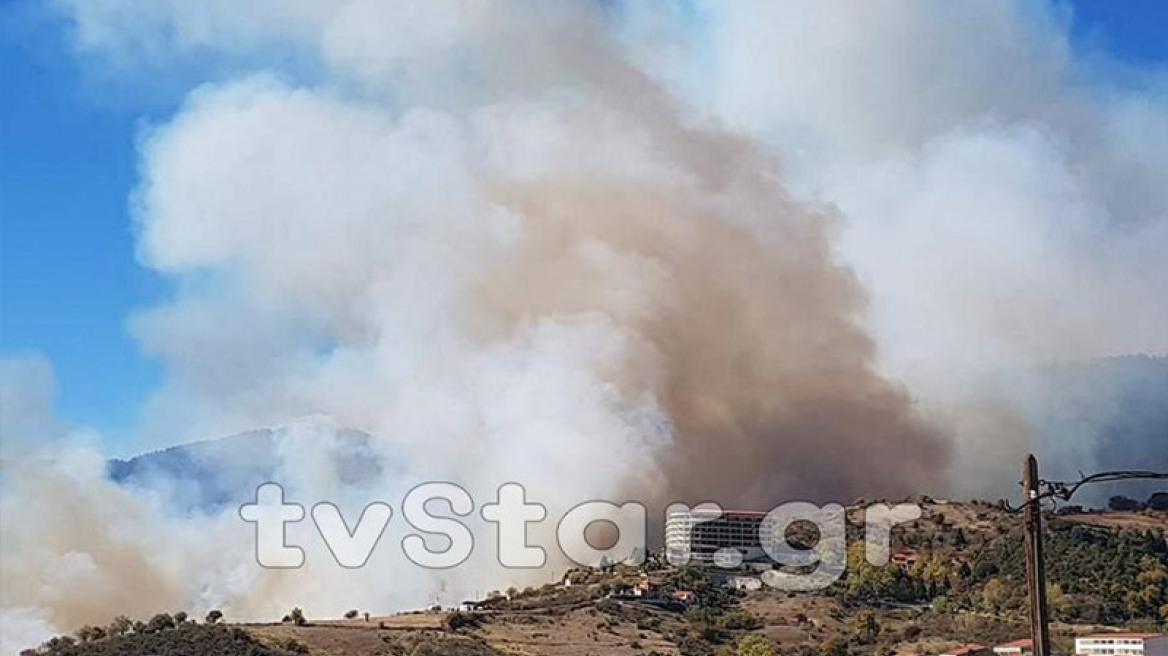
pixel 704 536
pixel 1122 644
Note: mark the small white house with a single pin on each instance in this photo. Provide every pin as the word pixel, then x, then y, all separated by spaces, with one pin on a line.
pixel 1122 644
pixel 745 583
pixel 1017 648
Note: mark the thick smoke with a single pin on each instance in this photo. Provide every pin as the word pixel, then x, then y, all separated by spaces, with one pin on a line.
pixel 564 211
pixel 531 264
pixel 551 242
pixel 1002 202
pixel 1000 189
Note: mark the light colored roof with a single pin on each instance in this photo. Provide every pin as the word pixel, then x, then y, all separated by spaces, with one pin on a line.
pixel 744 513
pixel 963 649
pixel 1132 635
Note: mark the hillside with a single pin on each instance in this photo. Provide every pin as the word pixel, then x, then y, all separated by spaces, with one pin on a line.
pixel 1106 570
pixel 164 638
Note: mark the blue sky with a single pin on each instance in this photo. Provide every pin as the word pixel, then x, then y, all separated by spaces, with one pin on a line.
pixel 69 280
pixel 68 276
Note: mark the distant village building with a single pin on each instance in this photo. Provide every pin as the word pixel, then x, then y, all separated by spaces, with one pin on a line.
pixel 1122 644
pixel 643 588
pixel 906 559
pixel 1022 647
pixel 746 583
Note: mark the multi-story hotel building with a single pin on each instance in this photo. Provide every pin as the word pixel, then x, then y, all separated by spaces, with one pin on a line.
pixel 701 534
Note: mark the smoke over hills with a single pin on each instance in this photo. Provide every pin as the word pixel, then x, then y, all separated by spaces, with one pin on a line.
pixel 1114 406
pixel 222 474
pixel 575 230
pixel 718 251
pixel 1097 415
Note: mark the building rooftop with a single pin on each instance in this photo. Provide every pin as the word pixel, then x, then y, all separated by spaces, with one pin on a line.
pixel 1128 635
pixel 964 649
pixel 711 511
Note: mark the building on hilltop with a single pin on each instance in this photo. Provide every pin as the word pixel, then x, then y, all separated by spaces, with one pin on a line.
pixel 709 535
pixel 1122 644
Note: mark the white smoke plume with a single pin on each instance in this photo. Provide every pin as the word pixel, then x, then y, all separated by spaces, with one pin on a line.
pixel 1001 191
pixel 602 250
pixel 28 388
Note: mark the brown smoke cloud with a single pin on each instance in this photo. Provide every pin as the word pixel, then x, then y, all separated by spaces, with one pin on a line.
pixel 751 346
pixel 746 325
pixel 749 338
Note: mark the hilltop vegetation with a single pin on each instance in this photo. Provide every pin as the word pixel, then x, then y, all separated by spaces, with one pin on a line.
pixel 163 635
pixel 971 558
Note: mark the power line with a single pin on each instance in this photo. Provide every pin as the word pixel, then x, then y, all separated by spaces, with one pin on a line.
pixel 1064 490
pixel 1035 490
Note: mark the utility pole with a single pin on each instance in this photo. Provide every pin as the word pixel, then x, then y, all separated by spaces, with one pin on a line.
pixel 1035 567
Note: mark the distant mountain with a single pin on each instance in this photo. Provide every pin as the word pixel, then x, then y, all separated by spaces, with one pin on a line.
pixel 206 476
pixel 1102 414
